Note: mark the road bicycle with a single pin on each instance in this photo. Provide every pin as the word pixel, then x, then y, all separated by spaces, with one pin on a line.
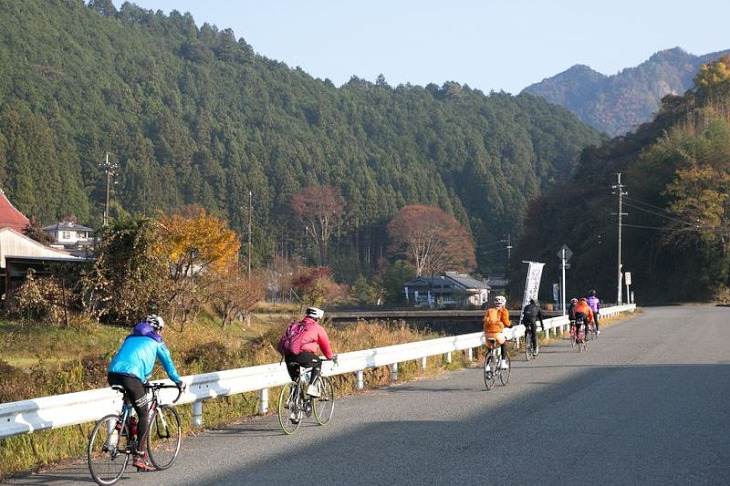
pixel 577 338
pixel 295 403
pixel 492 371
pixel 530 350
pixel 114 437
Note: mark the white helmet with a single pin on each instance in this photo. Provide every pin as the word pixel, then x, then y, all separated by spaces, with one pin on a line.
pixel 156 321
pixel 500 300
pixel 314 313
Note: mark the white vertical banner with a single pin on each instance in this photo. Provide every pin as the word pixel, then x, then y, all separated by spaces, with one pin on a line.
pixel 532 282
pixel 406 290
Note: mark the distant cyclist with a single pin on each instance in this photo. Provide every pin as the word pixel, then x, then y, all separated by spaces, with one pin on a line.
pixel 132 367
pixel 571 305
pixel 595 304
pixel 496 318
pixel 305 346
pixel 530 314
pixel 582 314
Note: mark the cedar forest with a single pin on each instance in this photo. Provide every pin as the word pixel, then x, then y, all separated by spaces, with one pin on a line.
pixel 191 116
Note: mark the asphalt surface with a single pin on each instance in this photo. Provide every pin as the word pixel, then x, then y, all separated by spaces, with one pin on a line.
pixel 646 404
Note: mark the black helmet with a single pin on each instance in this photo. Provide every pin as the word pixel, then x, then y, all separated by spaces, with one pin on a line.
pixel 592 293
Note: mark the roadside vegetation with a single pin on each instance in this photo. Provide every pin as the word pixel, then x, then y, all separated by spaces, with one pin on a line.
pixel 54 360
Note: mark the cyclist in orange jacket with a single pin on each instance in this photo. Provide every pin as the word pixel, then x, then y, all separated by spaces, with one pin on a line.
pixel 582 314
pixel 495 320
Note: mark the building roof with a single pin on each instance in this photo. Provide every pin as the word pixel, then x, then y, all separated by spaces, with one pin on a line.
pixel 449 280
pixel 14 243
pixel 66 226
pixel 10 217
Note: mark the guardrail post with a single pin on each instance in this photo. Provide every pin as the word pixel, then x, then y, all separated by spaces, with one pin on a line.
pixel 448 357
pixel 423 363
pixel 360 381
pixel 470 354
pixel 198 413
pixel 263 401
pixel 394 372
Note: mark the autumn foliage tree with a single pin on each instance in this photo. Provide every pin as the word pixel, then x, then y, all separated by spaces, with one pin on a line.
pixel 431 240
pixel 200 249
pixel 319 209
pixel 235 291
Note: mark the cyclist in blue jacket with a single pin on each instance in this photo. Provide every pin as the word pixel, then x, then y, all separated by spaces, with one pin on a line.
pixel 132 367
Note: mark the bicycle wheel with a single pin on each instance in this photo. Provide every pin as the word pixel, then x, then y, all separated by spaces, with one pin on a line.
pixel 572 336
pixel 107 454
pixel 490 370
pixel 528 346
pixel 324 405
pixel 164 437
pixel 289 410
pixel 504 374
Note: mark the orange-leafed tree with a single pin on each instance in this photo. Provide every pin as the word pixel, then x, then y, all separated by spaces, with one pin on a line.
pixel 196 242
pixel 200 248
pixel 320 210
pixel 432 240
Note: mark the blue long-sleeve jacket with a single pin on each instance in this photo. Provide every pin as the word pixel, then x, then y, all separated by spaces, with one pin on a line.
pixel 137 355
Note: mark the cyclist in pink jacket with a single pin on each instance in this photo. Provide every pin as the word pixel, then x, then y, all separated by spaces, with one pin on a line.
pixel 305 346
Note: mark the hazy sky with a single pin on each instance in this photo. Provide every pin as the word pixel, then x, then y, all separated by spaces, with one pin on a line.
pixel 488 44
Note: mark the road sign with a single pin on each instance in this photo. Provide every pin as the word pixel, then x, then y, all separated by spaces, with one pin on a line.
pixel 565 252
pixel 627 278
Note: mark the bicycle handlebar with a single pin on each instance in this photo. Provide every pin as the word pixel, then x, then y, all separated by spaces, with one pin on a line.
pixel 158 385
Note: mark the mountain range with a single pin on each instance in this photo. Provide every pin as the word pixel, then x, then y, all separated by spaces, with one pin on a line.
pixel 620 103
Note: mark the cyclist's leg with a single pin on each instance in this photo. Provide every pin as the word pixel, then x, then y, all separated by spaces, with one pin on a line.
pixel 292 366
pixel 533 333
pixel 308 359
pixel 136 393
pixel 503 350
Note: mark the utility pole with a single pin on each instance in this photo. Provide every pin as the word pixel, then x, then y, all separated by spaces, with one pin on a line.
pixel 110 172
pixel 618 189
pixel 250 210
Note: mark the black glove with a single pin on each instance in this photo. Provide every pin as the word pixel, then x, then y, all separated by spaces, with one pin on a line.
pixel 334 358
pixel 181 386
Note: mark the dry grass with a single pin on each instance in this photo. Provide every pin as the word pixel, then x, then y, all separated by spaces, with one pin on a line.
pixel 59 360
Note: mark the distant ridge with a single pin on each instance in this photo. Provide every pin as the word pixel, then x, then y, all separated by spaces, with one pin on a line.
pixel 619 103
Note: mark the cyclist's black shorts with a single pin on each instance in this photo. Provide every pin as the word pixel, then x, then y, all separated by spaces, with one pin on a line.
pixel 132 385
pixel 305 358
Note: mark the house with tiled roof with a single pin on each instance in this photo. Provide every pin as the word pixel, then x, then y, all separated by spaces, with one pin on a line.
pixel 10 217
pixel 68 234
pixel 452 290
pixel 18 253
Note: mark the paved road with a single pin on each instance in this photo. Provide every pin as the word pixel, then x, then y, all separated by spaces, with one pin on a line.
pixel 647 404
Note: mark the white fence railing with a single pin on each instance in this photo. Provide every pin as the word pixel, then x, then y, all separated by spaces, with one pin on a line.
pixel 57 411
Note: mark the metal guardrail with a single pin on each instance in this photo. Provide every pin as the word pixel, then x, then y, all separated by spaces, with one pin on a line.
pixel 57 411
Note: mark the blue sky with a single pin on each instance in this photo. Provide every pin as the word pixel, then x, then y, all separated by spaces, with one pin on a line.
pixel 488 44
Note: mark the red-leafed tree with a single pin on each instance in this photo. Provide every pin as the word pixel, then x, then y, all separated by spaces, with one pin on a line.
pixel 432 240
pixel 320 210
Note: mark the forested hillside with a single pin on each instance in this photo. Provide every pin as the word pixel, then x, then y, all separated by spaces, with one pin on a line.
pixel 190 115
pixel 619 103
pixel 676 228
